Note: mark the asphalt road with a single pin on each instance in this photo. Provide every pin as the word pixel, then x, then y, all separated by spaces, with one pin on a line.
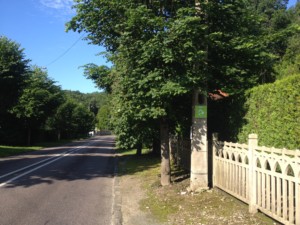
pixel 72 184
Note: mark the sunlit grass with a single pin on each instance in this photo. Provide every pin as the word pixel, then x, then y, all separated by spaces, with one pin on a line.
pixel 130 163
pixel 15 150
pixel 173 204
pixel 128 152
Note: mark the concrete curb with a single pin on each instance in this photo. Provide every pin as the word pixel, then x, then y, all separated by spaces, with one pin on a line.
pixel 117 199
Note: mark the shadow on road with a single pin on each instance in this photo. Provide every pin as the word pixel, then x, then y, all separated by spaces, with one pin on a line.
pixel 81 160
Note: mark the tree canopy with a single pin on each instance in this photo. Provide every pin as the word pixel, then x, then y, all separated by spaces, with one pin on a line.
pixel 38 101
pixel 162 51
pixel 13 73
pixel 34 108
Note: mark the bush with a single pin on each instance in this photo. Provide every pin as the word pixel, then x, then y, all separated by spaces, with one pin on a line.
pixel 273 112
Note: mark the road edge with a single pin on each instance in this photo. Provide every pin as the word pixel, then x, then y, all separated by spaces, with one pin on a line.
pixel 117 200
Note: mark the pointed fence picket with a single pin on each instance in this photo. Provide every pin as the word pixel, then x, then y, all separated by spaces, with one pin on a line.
pixel 268 179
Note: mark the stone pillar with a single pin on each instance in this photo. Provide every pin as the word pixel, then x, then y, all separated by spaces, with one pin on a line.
pixel 199 145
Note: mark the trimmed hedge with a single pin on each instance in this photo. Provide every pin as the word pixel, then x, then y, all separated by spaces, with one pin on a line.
pixel 273 112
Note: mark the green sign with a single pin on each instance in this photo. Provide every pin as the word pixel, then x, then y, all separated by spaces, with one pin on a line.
pixel 200 111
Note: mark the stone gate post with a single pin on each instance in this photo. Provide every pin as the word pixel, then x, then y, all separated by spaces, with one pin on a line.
pixel 199 145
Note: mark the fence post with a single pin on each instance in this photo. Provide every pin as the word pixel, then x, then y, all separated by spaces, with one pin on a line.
pixel 252 144
pixel 215 138
pixel 297 194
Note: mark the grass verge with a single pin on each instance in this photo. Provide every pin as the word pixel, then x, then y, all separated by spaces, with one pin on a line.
pixel 15 150
pixel 174 205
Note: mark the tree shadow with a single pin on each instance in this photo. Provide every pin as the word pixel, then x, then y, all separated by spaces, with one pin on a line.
pixel 133 164
pixel 90 160
pixel 179 174
pixel 84 160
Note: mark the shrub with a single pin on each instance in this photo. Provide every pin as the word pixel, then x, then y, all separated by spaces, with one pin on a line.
pixel 273 112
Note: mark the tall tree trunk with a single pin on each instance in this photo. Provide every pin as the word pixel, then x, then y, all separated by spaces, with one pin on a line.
pixel 139 147
pixel 28 135
pixel 156 146
pixel 165 153
pixel 58 135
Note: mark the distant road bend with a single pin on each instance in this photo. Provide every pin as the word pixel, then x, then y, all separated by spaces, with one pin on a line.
pixel 72 184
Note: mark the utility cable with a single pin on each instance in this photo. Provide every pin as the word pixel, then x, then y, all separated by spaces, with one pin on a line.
pixel 65 52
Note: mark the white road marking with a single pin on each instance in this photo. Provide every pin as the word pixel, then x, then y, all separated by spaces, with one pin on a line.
pixel 57 157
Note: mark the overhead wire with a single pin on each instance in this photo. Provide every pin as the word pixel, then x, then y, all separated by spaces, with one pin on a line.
pixel 65 52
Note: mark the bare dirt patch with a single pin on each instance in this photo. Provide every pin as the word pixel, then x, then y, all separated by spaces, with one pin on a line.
pixel 146 202
pixel 132 194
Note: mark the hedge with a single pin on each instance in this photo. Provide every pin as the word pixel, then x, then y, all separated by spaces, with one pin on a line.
pixel 273 112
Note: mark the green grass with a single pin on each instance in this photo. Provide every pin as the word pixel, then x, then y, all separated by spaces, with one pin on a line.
pixel 53 143
pixel 147 168
pixel 130 163
pixel 167 204
pixel 15 150
pixel 126 152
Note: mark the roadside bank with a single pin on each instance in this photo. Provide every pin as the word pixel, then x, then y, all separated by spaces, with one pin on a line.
pixel 146 202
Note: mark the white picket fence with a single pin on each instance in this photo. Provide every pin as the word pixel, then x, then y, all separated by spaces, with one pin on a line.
pixel 268 179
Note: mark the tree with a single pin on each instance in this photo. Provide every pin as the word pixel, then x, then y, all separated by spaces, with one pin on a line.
pixel 61 121
pixel 39 100
pixel 276 22
pixel 13 74
pixel 92 101
pixel 103 118
pixel 289 65
pixel 71 120
pixel 100 75
pixel 162 52
pixel 83 120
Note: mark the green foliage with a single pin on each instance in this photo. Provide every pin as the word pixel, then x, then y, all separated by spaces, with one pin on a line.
pixel 162 52
pixel 13 72
pixel 93 101
pixel 274 20
pixel 32 103
pixel 71 120
pixel 101 75
pixel 62 119
pixel 226 117
pixel 98 18
pixel 289 64
pixel 273 112
pixel 103 118
pixel 238 57
pixel 13 150
pixel 39 99
pixel 83 120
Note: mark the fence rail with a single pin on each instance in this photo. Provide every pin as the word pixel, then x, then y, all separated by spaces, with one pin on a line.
pixel 268 179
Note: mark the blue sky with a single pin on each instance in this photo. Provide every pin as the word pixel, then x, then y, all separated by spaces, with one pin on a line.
pixel 39 27
pixel 292 3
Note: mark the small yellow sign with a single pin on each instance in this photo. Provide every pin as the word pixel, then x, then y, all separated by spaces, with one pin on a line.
pixel 200 111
